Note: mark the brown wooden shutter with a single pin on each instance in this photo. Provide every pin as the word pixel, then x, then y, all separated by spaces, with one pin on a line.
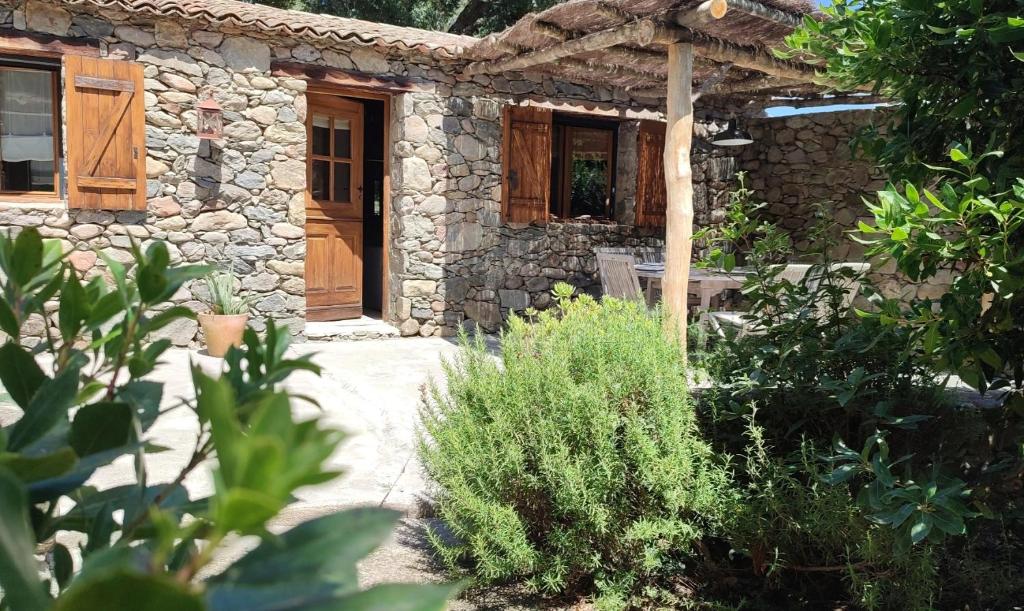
pixel 651 194
pixel 526 165
pixel 106 134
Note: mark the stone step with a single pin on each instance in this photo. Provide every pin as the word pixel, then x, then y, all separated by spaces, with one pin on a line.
pixel 362 328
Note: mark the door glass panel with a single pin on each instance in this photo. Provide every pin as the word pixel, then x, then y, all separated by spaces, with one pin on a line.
pixel 342 138
pixel 342 182
pixel 26 130
pixel 321 135
pixel 321 180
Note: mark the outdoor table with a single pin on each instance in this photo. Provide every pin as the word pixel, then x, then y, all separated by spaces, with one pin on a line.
pixel 703 281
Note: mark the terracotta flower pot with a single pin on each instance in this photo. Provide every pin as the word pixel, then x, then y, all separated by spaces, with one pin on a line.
pixel 222 331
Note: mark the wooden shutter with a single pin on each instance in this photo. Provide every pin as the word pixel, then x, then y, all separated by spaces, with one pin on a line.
pixel 106 134
pixel 526 165
pixel 651 193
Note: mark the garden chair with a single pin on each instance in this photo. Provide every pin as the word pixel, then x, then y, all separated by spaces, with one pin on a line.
pixel 618 276
pixel 640 254
pixel 734 322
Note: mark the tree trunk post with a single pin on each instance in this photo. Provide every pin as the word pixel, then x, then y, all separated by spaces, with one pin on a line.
pixel 679 182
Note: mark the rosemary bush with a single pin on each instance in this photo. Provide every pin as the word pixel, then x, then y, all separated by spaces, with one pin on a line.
pixel 577 464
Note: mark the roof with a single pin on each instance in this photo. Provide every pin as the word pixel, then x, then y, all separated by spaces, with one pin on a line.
pixel 309 27
pixel 743 38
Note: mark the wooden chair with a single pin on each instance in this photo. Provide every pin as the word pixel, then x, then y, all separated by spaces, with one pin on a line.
pixel 618 276
pixel 640 254
pixel 726 323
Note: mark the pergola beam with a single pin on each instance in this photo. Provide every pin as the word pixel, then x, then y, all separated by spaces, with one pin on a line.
pixel 705 13
pixel 643 33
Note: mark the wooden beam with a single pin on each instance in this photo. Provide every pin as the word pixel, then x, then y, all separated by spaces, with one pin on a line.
pixel 43 45
pixel 644 32
pixel 751 58
pixel 679 182
pixel 343 78
pixel 705 13
pixel 712 81
pixel 766 13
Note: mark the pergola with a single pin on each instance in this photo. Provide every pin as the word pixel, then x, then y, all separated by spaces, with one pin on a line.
pixel 678 50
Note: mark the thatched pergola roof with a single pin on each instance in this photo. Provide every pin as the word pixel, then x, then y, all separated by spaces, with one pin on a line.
pixel 623 43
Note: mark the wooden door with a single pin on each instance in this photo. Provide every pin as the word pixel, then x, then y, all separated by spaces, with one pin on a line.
pixel 334 209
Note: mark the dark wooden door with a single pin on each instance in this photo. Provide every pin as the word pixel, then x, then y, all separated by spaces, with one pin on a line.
pixel 334 209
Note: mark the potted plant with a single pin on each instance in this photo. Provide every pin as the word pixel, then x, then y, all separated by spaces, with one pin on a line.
pixel 224 325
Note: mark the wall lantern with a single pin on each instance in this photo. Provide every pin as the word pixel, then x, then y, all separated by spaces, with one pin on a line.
pixel 732 136
pixel 210 123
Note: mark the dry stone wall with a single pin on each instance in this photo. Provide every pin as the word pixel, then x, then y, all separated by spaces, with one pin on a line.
pixel 239 202
pixel 802 164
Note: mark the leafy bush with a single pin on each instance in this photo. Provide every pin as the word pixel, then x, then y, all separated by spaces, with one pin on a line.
pixel 86 402
pixel 576 463
pixel 954 66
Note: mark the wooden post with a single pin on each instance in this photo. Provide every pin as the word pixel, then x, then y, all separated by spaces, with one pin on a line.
pixel 679 182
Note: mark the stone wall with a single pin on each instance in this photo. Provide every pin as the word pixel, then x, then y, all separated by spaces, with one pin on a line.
pixel 800 162
pixel 239 202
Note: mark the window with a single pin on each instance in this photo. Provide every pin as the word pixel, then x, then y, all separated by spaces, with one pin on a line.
pixel 557 165
pixel 29 133
pixel 584 168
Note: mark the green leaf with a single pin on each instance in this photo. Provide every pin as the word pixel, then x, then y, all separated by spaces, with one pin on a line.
pixel 900 234
pixel 19 373
pixel 74 308
pixel 19 577
pixel 34 468
pixel 920 528
pixel 123 590
pixel 1018 55
pixel 27 259
pixel 957 155
pixel 63 566
pixel 842 474
pixel 8 320
pixel 47 408
pixel 325 548
pixel 396 597
pixel 101 426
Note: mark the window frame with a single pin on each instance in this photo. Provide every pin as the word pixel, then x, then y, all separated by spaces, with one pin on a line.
pixel 10 64
pixel 561 177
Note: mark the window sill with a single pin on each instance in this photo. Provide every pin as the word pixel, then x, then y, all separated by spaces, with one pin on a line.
pixel 11 200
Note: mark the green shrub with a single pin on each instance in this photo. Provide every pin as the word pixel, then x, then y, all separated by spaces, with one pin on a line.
pixel 90 400
pixel 576 464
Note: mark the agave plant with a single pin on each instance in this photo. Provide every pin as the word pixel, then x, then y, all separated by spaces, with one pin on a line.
pixel 223 300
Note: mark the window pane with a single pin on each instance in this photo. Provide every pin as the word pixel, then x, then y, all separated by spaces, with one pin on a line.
pixel 342 138
pixel 26 130
pixel 321 138
pixel 591 171
pixel 342 182
pixel 321 180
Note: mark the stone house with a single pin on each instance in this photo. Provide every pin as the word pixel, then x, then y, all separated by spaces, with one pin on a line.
pixel 361 168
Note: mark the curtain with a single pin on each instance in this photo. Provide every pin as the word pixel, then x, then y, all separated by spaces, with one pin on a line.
pixel 26 115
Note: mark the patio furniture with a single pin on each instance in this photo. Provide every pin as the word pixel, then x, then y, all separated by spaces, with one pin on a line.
pixel 618 276
pixel 641 255
pixel 704 284
pixel 795 273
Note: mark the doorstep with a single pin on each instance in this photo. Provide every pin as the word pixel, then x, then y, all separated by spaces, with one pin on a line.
pixel 361 328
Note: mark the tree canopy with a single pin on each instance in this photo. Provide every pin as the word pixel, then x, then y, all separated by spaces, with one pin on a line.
pixel 474 17
pixel 957 68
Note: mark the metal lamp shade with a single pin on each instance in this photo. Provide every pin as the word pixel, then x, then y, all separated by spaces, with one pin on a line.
pixel 733 136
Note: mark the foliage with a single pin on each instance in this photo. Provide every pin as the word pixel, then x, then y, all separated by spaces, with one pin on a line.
pixel 223 300
pixel 473 17
pixel 577 463
pixel 955 67
pixel 971 230
pixel 742 231
pixel 85 401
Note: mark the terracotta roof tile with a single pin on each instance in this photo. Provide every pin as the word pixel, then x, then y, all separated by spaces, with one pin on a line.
pixel 306 26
